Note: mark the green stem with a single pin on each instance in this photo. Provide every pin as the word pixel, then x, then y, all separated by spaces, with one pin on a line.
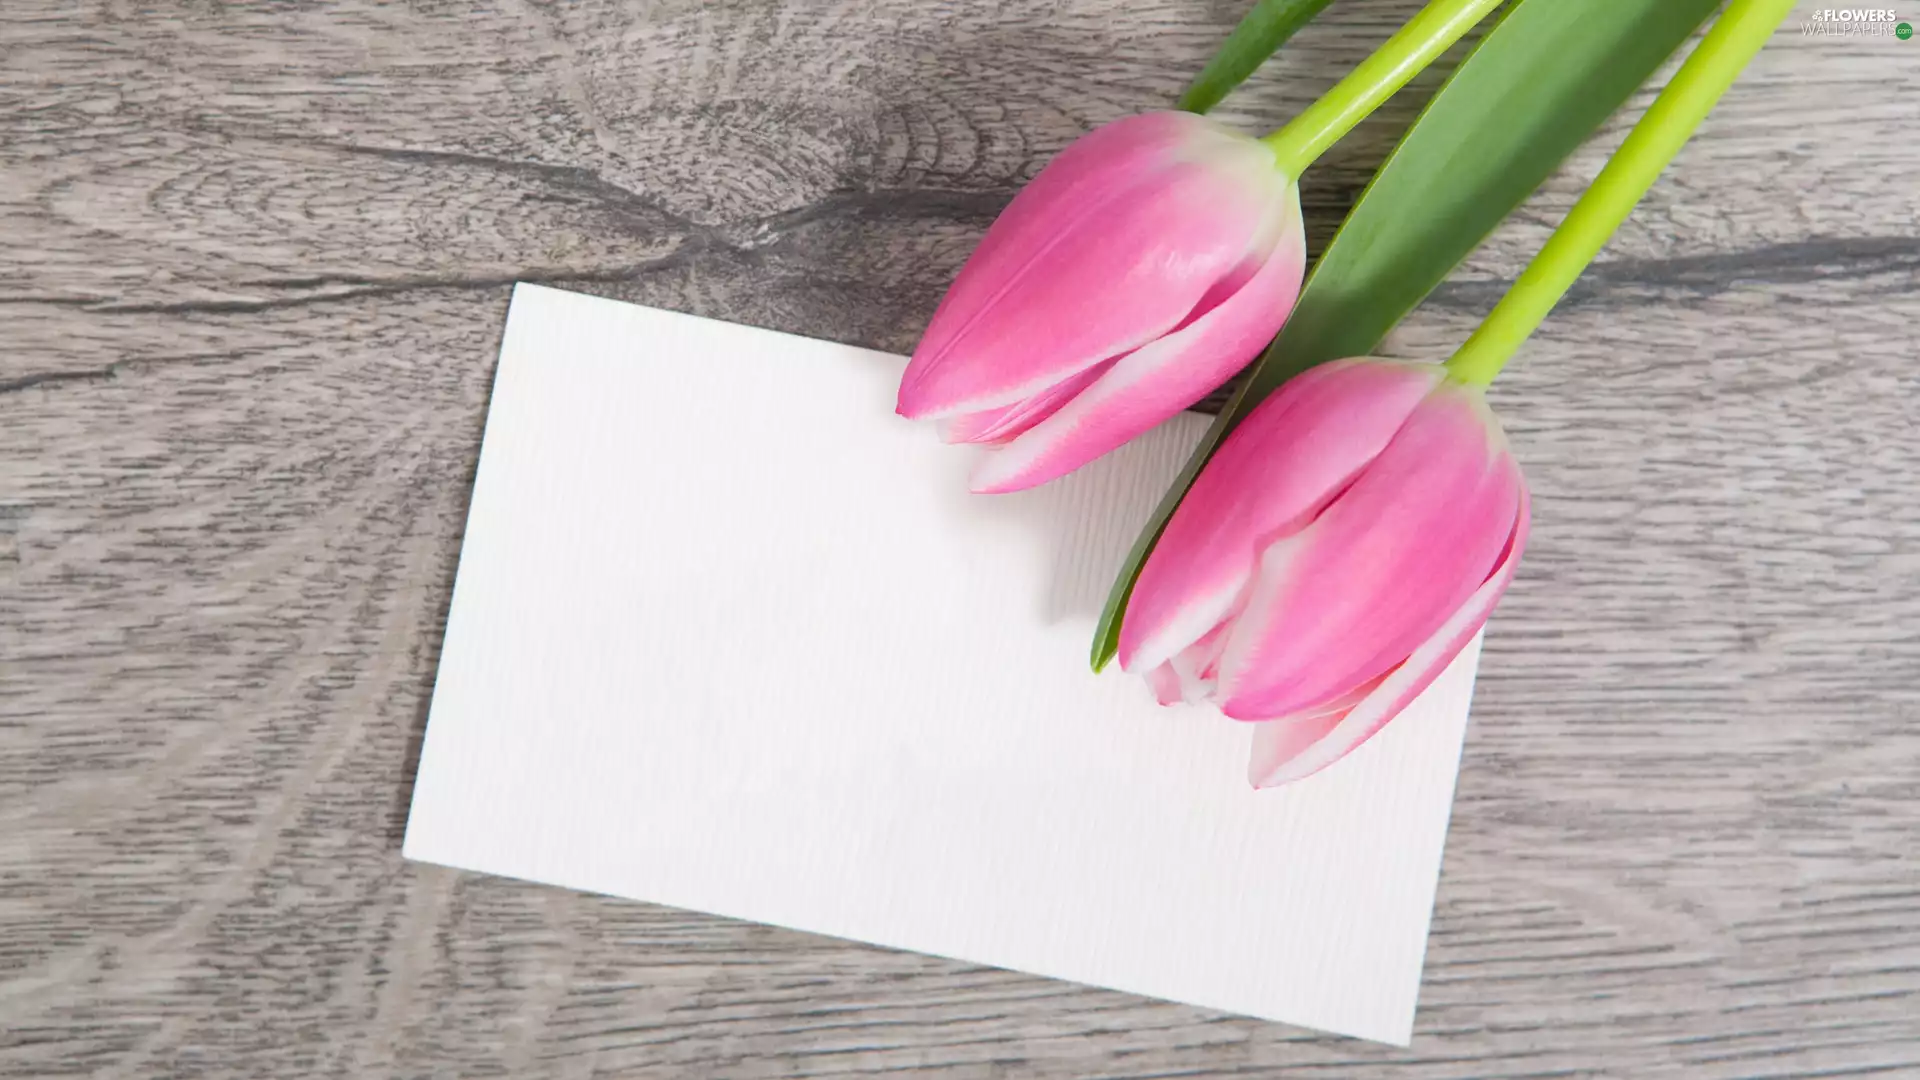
pixel 1405 54
pixel 1267 27
pixel 1742 29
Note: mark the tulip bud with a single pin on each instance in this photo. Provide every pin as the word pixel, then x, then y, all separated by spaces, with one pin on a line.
pixel 1143 267
pixel 1338 551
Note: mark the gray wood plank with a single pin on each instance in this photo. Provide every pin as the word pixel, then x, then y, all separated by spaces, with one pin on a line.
pixel 253 264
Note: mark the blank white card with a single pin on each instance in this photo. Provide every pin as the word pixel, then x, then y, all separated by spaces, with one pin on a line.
pixel 731 636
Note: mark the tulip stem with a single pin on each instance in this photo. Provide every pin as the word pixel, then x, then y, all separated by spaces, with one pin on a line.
pixel 1366 87
pixel 1740 32
pixel 1266 27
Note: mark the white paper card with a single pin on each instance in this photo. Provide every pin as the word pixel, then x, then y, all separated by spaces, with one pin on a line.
pixel 729 635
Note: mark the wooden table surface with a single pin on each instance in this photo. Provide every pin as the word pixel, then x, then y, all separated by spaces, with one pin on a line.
pixel 254 260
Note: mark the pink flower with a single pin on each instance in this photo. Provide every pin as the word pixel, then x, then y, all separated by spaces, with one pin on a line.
pixel 1141 269
pixel 1344 544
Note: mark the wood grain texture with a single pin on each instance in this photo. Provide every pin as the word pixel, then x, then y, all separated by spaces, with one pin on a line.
pixel 254 259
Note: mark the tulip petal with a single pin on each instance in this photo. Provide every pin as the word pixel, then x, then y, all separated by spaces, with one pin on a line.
pixel 1164 376
pixel 1198 662
pixel 1100 286
pixel 1166 685
pixel 1348 598
pixel 1278 469
pixel 1284 739
pixel 1077 182
pixel 999 425
pixel 1284 750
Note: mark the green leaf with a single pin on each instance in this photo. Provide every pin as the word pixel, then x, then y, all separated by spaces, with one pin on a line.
pixel 1536 86
pixel 1264 30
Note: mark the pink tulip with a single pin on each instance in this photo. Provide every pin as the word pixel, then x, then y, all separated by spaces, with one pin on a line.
pixel 1143 267
pixel 1344 544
